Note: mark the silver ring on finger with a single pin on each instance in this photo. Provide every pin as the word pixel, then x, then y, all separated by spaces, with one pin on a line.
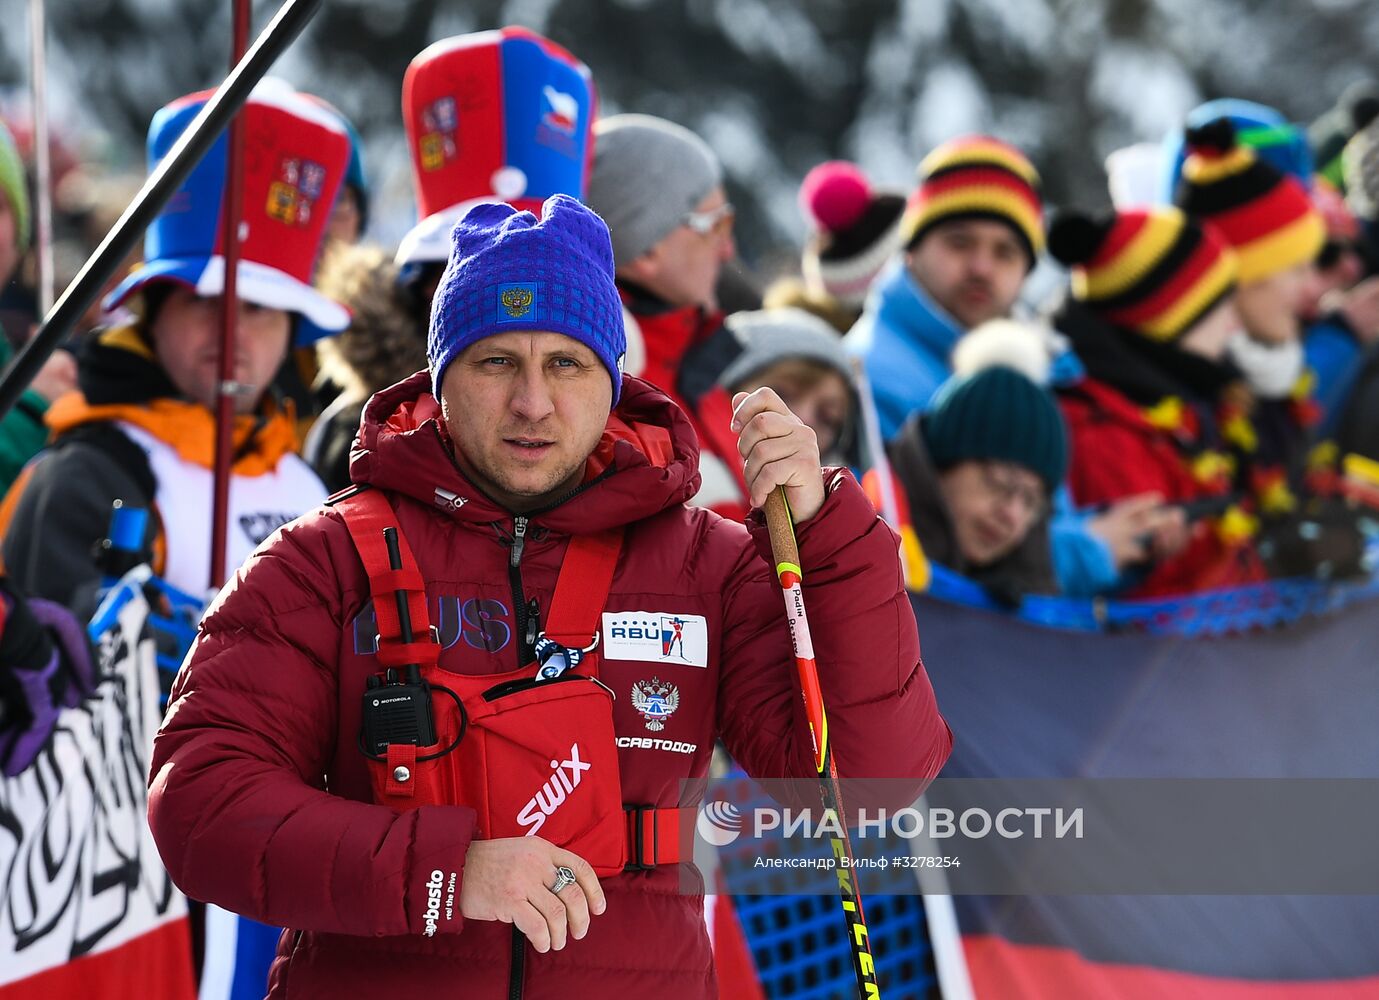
pixel 563 877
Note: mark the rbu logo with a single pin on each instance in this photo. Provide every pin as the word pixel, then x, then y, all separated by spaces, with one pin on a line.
pixel 633 628
pixel 551 795
pixel 656 637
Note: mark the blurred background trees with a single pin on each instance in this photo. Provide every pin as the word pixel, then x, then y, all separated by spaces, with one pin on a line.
pixel 774 85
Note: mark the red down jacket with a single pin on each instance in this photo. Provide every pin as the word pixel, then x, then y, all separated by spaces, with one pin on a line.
pixel 260 798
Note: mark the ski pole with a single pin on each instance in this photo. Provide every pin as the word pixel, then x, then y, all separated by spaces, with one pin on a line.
pixel 161 185
pixel 787 555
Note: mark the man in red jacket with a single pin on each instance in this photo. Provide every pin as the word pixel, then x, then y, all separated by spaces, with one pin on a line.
pixel 660 189
pixel 522 441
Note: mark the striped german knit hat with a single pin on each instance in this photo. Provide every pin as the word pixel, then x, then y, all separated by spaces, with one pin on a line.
pixel 1152 271
pixel 1266 217
pixel 977 177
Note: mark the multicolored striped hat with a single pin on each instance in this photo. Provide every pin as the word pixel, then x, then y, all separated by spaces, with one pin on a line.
pixel 295 154
pixel 492 116
pixel 977 177
pixel 1264 215
pixel 1152 271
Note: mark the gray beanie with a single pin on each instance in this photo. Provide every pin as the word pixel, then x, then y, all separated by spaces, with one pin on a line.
pixel 772 335
pixel 648 174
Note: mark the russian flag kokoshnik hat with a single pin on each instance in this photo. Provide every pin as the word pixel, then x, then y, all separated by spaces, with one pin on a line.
pixel 493 116
pixel 295 155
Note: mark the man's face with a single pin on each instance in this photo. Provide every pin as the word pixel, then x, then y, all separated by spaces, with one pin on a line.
pixel 1270 307
pixel 973 268
pixel 525 410
pixel 993 505
pixel 186 341
pixel 683 268
pixel 9 240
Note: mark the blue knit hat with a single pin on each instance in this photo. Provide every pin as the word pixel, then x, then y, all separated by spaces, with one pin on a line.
pixel 997 413
pixel 508 271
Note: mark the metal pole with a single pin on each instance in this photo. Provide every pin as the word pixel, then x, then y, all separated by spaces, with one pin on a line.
pixel 160 186
pixel 227 390
pixel 43 169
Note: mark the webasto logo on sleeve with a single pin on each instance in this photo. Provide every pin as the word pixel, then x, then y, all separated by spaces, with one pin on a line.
pixel 433 901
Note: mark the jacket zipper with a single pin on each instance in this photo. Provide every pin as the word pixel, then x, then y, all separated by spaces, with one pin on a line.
pixel 519 964
pixel 519 601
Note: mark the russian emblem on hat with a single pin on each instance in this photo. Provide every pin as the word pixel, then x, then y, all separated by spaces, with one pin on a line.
pixel 295 155
pixel 496 116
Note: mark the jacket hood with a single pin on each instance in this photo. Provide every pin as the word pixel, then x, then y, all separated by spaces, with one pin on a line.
pixel 647 461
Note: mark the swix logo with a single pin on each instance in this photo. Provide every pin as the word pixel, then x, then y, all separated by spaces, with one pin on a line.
pixel 444 498
pixel 550 796
pixel 433 901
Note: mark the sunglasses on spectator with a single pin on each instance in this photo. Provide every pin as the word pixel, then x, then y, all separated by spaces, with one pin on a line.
pixel 710 222
pixel 1330 253
pixel 999 480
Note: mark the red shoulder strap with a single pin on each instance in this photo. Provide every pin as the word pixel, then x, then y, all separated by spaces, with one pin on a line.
pixel 581 590
pixel 366 514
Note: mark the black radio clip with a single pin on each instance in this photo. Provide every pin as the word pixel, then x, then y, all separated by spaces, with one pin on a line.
pixel 397 708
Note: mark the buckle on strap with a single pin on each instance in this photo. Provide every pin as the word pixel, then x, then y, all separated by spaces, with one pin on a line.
pixel 637 817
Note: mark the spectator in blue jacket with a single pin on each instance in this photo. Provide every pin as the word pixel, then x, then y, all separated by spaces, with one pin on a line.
pixel 972 232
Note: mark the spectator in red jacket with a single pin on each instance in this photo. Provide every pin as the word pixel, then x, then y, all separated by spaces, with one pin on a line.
pixel 522 440
pixel 1151 314
pixel 660 189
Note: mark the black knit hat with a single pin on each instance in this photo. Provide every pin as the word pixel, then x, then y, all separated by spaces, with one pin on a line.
pixel 999 414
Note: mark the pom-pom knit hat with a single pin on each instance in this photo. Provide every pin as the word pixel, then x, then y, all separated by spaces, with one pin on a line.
pixel 1152 271
pixel 510 271
pixel 855 231
pixel 977 177
pixel 295 155
pixel 1265 216
pixel 492 116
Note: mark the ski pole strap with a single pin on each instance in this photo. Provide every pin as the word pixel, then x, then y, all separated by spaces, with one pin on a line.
pixel 366 513
pixel 654 836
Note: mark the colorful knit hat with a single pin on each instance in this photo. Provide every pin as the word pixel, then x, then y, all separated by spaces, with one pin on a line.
pixel 1152 271
pixel 997 414
pixel 493 116
pixel 12 184
pixel 509 270
pixel 1275 140
pixel 1266 217
pixel 295 153
pixel 977 177
pixel 856 230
